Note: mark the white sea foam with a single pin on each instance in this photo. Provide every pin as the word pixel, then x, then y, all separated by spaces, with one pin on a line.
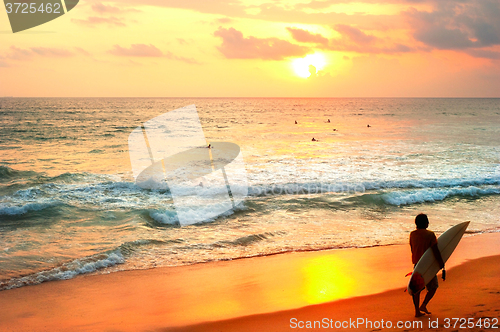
pixel 165 217
pixel 15 210
pixel 117 195
pixel 432 183
pixel 83 266
pixel 361 187
pixel 69 270
pixel 432 195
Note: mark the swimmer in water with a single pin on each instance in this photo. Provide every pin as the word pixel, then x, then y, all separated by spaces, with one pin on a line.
pixel 314 140
pixel 328 121
pixel 209 146
pixel 334 129
pixel 295 121
pixel 368 126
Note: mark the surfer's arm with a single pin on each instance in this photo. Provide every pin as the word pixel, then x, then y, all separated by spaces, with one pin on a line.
pixel 437 254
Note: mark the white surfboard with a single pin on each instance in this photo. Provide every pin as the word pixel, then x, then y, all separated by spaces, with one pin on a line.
pixel 428 266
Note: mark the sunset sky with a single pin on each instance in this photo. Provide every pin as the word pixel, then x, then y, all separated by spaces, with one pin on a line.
pixel 263 48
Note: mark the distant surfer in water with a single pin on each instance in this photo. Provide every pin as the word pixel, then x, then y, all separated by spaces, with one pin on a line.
pixel 295 121
pixel 422 239
pixel 209 146
pixel 328 121
pixel 314 140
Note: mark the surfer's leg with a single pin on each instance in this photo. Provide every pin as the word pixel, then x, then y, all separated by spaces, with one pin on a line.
pixel 416 302
pixel 428 297
pixel 431 290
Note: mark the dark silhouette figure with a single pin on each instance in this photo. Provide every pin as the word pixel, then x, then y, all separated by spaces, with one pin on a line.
pixel 334 129
pixel 295 121
pixel 314 140
pixel 328 121
pixel 209 146
pixel 368 126
pixel 422 239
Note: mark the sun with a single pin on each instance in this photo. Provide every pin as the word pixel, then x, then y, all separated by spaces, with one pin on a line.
pixel 304 66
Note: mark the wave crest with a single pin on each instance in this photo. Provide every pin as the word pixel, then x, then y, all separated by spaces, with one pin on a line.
pixel 67 270
pixel 17 210
pixel 433 195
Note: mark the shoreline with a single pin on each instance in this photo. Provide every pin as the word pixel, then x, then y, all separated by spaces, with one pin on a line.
pixel 112 268
pixel 382 311
pixel 169 297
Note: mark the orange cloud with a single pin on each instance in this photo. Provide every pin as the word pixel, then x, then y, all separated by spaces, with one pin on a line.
pixel 235 46
pixel 82 51
pixel 92 21
pixel 354 34
pixel 3 64
pixel 305 36
pixel 102 9
pixel 224 20
pixel 170 55
pixel 355 40
pixel 51 52
pixel 26 54
pixel 276 11
pixel 231 8
pixel 137 50
pixel 143 50
pixel 19 54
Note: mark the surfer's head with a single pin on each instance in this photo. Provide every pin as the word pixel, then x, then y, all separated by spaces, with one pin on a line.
pixel 422 221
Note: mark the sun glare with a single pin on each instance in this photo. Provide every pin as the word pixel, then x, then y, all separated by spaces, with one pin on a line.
pixel 311 63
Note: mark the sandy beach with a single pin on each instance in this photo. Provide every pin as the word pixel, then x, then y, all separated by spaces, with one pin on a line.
pixel 456 299
pixel 261 293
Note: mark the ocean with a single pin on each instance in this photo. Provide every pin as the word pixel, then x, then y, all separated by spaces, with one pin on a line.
pixel 69 204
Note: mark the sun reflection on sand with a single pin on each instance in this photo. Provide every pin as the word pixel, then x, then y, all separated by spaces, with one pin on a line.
pixel 327 279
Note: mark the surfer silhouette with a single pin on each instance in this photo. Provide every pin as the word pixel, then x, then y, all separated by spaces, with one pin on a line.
pixel 420 240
